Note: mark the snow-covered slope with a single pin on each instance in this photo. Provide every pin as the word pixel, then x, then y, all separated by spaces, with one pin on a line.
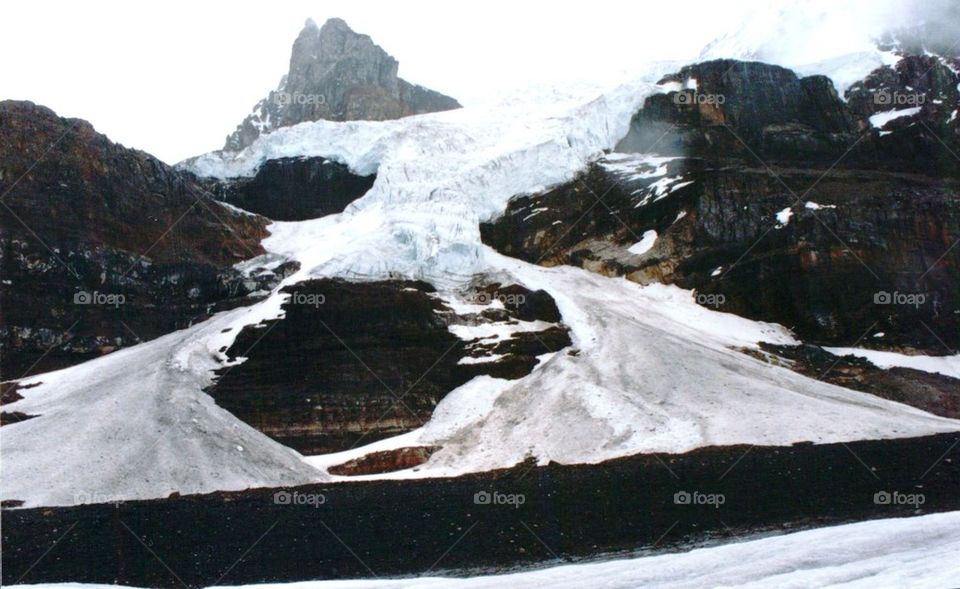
pixel 136 424
pixel 917 552
pixel 655 372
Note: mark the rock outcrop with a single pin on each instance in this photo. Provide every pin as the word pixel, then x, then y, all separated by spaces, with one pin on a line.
pixel 339 75
pixel 384 461
pixel 727 108
pixel 355 362
pixel 775 200
pixel 765 114
pixel 103 246
pixel 294 189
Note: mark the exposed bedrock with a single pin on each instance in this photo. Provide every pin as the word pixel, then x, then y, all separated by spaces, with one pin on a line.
pixel 294 189
pixel 766 114
pixel 353 362
pixel 338 75
pixel 102 246
pixel 873 256
pixel 384 461
pixel 780 204
pixel 932 392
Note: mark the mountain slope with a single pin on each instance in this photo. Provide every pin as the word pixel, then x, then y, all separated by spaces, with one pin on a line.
pixel 94 237
pixel 136 424
pixel 651 370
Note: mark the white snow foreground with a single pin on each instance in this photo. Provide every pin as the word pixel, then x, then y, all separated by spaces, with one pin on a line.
pixel 655 372
pixel 917 552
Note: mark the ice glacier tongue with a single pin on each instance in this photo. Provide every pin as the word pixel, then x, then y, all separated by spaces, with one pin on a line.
pixel 438 176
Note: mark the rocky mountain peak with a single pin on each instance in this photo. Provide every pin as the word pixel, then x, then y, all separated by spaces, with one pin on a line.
pixel 337 74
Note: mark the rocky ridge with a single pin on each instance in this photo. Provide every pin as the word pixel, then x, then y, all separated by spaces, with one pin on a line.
pixel 102 246
pixel 338 75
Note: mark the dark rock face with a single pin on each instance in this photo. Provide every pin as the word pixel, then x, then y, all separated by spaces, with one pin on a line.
pixel 338 75
pixel 103 246
pixel 295 189
pixel 8 417
pixel 739 107
pixel 356 362
pixel 858 248
pixel 935 393
pixel 880 261
pixel 766 114
pixel 612 508
pixel 928 141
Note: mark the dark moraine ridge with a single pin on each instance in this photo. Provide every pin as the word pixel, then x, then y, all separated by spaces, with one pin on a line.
pixel 409 527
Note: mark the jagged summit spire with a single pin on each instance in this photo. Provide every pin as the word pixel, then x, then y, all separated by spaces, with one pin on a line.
pixel 336 23
pixel 340 75
pixel 331 24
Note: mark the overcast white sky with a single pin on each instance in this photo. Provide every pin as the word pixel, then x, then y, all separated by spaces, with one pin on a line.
pixel 174 78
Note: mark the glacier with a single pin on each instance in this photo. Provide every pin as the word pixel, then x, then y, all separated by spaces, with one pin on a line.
pixel 655 372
